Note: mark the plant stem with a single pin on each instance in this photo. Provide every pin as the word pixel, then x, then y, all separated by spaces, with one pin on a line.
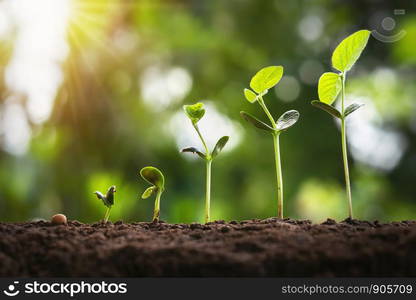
pixel 279 176
pixel 269 115
pixel 344 149
pixel 156 211
pixel 107 214
pixel 208 192
pixel 202 139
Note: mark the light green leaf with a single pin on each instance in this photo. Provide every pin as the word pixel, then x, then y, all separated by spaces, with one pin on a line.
pixel 328 108
pixel 219 146
pixel 194 150
pixel 266 78
pixel 287 120
pixel 153 176
pixel 329 86
pixel 349 50
pixel 195 112
pixel 149 192
pixel 256 122
pixel 250 95
pixel 352 108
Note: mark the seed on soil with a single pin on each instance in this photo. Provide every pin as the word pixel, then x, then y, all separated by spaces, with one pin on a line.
pixel 58 219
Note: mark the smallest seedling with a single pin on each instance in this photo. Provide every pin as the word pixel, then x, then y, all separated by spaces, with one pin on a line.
pixel 155 177
pixel 58 219
pixel 108 200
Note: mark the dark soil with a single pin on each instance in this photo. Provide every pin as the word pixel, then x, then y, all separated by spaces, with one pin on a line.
pixel 268 247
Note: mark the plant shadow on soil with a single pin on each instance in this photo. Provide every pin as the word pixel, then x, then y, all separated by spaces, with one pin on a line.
pixel 255 248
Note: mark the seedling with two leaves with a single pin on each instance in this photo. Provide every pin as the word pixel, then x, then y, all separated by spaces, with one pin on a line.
pixel 155 177
pixel 195 113
pixel 108 200
pixel 331 84
pixel 260 84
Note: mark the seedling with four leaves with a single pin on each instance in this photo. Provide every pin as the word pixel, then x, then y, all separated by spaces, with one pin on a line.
pixel 330 84
pixel 108 200
pixel 260 84
pixel 195 113
pixel 155 177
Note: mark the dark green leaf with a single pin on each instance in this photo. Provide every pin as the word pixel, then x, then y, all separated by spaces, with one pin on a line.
pixel 219 146
pixel 256 122
pixel 328 108
pixel 153 176
pixel 352 108
pixel 195 151
pixel 110 195
pixel 287 120
pixel 195 112
pixel 149 192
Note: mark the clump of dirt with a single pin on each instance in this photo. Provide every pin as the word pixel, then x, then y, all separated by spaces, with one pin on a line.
pixel 269 247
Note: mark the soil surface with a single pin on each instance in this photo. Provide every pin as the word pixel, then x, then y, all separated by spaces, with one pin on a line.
pixel 268 247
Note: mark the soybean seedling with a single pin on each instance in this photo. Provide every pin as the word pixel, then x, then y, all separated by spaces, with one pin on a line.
pixel 195 113
pixel 155 177
pixel 108 200
pixel 260 84
pixel 331 83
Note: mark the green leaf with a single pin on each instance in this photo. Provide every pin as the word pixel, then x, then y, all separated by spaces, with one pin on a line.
pixel 149 192
pixel 250 95
pixel 352 108
pixel 329 87
pixel 153 176
pixel 328 108
pixel 110 195
pixel 349 50
pixel 195 151
pixel 266 78
pixel 195 112
pixel 219 146
pixel 256 122
pixel 287 120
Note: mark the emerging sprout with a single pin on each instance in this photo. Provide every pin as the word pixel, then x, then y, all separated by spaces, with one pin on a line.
pixel 195 113
pixel 330 84
pixel 264 80
pixel 108 200
pixel 155 177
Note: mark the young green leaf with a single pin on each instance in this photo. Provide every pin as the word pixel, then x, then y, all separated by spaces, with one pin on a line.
pixel 195 112
pixel 352 108
pixel 250 95
pixel 287 120
pixel 329 86
pixel 149 192
pixel 256 122
pixel 328 108
pixel 195 151
pixel 153 176
pixel 349 50
pixel 110 195
pixel 266 78
pixel 219 146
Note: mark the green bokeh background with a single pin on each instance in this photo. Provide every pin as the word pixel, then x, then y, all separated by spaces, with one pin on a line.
pixel 103 127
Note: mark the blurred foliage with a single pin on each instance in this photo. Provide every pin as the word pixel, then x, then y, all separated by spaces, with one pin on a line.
pixel 124 80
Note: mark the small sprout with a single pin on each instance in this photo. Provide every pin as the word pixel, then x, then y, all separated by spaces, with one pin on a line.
pixel 59 219
pixel 331 84
pixel 108 200
pixel 195 112
pixel 264 80
pixel 155 177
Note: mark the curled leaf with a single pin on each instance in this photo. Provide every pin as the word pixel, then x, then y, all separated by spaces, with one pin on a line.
pixel 195 112
pixel 195 151
pixel 219 146
pixel 329 86
pixel 250 95
pixel 153 176
pixel 349 50
pixel 287 120
pixel 352 108
pixel 149 192
pixel 110 195
pixel 328 108
pixel 256 122
pixel 266 78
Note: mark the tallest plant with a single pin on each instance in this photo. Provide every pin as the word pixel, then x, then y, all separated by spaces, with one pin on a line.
pixel 331 84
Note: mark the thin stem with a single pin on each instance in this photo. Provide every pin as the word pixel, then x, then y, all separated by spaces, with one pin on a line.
pixel 202 139
pixel 279 176
pixel 269 115
pixel 156 211
pixel 344 149
pixel 107 214
pixel 208 192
